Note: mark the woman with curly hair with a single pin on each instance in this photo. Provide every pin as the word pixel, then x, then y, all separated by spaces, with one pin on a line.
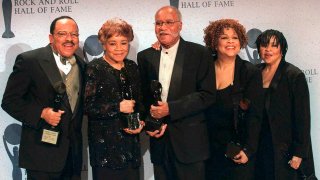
pixel 234 120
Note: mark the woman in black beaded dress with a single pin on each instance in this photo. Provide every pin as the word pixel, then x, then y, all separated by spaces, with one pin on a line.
pixel 112 94
pixel 234 120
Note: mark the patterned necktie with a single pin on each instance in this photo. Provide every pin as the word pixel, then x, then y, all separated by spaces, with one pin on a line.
pixel 64 60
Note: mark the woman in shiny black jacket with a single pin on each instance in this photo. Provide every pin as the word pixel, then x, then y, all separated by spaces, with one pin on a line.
pixel 112 95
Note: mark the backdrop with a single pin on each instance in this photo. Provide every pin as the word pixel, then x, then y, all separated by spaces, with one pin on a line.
pixel 24 25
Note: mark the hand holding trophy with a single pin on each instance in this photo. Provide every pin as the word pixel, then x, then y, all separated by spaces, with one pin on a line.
pixel 130 120
pixel 153 124
pixel 51 134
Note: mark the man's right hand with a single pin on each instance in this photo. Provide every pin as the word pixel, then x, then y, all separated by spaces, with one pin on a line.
pixel 158 133
pixel 51 117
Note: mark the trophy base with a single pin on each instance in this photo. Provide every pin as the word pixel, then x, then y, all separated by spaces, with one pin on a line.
pixel 131 121
pixel 8 34
pixel 152 124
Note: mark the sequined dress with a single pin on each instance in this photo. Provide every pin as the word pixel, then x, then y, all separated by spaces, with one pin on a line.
pixel 109 145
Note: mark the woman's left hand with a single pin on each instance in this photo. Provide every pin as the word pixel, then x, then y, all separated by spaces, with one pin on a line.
pixel 295 162
pixel 136 131
pixel 241 158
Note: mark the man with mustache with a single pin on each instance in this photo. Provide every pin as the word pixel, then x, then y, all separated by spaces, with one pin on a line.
pixel 44 92
pixel 178 149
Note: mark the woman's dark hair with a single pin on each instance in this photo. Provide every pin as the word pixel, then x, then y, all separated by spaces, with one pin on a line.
pixel 264 39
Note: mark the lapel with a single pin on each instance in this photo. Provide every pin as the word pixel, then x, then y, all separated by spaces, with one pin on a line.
pixel 155 63
pixel 176 77
pixel 277 76
pixel 237 75
pixel 237 90
pixel 274 82
pixel 49 66
pixel 51 69
pixel 81 66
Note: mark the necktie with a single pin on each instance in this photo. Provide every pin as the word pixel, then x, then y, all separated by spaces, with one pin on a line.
pixel 64 60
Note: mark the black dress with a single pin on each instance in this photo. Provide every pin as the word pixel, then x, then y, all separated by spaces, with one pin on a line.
pixel 265 160
pixel 109 145
pixel 221 131
pixel 221 118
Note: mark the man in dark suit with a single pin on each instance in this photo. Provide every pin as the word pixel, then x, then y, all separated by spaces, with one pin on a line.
pixel 185 70
pixel 30 96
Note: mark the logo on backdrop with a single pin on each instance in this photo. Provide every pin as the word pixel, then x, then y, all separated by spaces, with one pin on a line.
pixel 12 136
pixel 253 55
pixel 203 4
pixel 30 7
pixel 7 14
pixel 174 3
pixel 310 74
pixel 251 48
pixel 23 7
pixel 92 48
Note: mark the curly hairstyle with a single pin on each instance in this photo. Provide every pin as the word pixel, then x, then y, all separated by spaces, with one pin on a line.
pixel 215 29
pixel 115 26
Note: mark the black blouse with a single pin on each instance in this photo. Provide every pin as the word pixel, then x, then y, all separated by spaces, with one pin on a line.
pixel 109 145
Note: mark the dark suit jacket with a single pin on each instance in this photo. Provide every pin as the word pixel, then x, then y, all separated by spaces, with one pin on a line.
pixel 192 89
pixel 248 84
pixel 29 90
pixel 288 110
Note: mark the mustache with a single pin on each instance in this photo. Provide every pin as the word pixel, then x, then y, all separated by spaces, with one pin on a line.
pixel 164 32
pixel 168 33
pixel 69 42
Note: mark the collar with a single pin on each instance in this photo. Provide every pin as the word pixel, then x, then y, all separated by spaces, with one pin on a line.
pixel 172 50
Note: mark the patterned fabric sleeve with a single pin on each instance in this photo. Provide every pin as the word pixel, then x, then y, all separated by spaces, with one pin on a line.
pixel 99 101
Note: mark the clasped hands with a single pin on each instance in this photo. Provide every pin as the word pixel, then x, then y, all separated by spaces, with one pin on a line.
pixel 127 106
pixel 158 112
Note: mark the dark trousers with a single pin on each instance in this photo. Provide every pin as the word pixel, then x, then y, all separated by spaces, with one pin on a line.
pixel 66 174
pixel 180 171
pixel 105 173
pixel 172 169
pixel 218 167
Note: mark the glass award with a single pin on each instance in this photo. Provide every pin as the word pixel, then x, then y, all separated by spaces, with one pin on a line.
pixel 131 120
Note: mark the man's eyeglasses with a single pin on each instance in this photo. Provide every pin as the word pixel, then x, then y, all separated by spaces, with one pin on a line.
pixel 167 23
pixel 64 34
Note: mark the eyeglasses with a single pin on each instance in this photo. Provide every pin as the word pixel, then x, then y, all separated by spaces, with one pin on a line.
pixel 64 34
pixel 167 23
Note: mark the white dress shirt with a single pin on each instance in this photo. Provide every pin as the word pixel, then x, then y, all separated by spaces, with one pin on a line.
pixel 167 60
pixel 64 68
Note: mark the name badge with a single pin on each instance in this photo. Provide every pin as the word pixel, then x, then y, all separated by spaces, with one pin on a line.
pixel 50 136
